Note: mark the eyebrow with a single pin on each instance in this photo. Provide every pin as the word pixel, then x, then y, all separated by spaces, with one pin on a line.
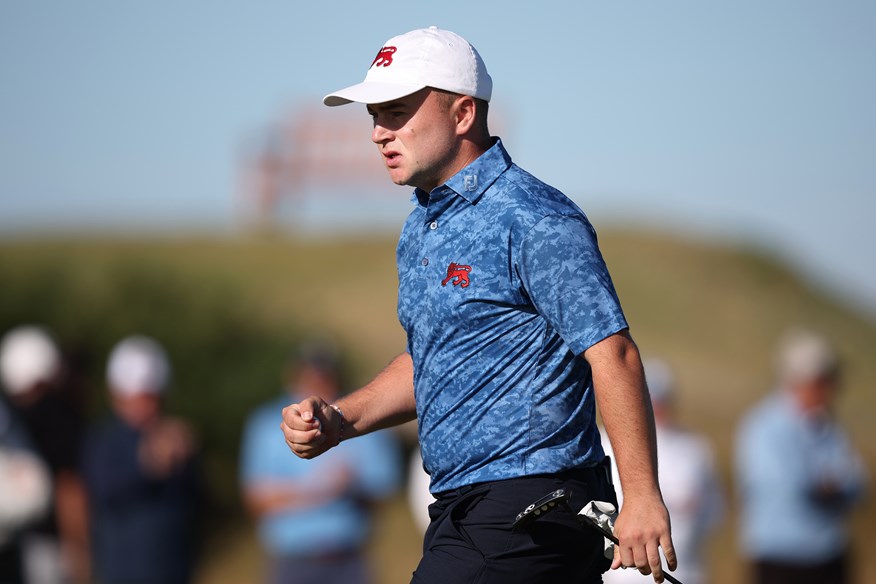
pixel 386 105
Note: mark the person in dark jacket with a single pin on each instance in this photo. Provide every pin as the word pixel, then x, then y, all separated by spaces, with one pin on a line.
pixel 142 476
pixel 37 385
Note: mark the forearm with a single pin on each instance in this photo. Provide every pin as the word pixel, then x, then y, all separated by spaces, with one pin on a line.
pixel 312 426
pixel 642 527
pixel 388 400
pixel 270 499
pixel 625 407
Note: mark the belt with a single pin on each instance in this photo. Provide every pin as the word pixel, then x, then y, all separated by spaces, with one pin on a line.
pixel 601 470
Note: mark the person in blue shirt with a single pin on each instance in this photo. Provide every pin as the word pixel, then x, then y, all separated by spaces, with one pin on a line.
pixel 314 519
pixel 514 332
pixel 798 475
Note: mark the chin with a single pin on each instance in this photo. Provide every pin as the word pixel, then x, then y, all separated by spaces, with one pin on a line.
pixel 399 180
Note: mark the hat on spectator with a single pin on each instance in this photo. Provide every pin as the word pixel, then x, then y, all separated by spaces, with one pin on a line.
pixel 426 57
pixel 660 379
pixel 804 356
pixel 138 365
pixel 28 356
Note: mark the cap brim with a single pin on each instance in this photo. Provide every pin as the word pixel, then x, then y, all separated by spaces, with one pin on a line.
pixel 370 92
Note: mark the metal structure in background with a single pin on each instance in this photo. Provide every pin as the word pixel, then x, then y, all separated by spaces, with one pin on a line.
pixel 308 152
pixel 311 154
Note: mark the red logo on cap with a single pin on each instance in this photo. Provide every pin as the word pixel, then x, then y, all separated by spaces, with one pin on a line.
pixel 384 57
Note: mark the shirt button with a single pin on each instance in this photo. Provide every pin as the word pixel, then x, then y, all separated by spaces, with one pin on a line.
pixel 425 261
pixel 433 225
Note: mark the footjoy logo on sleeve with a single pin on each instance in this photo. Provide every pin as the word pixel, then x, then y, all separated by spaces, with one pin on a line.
pixel 384 57
pixel 458 273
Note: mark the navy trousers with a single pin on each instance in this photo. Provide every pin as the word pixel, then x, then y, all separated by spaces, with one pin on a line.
pixel 470 540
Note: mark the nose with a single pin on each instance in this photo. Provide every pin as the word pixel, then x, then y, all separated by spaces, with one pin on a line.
pixel 380 135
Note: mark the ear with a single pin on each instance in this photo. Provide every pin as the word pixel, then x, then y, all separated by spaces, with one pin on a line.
pixel 464 111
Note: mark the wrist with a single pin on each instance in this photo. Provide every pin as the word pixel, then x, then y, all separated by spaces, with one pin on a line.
pixel 342 422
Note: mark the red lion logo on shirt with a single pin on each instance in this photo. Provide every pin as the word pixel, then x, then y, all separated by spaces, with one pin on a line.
pixel 384 57
pixel 458 273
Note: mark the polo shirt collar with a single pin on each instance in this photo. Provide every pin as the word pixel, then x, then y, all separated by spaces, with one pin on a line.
pixel 472 181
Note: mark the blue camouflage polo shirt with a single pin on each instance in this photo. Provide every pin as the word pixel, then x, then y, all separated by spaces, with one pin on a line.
pixel 501 288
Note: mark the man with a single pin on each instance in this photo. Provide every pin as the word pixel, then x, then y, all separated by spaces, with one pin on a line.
pixel 55 549
pixel 798 475
pixel 688 480
pixel 314 518
pixel 514 329
pixel 25 490
pixel 142 475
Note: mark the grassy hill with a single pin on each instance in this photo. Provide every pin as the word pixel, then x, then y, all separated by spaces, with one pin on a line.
pixel 229 308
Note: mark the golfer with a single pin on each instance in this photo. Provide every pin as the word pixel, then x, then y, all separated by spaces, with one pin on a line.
pixel 514 334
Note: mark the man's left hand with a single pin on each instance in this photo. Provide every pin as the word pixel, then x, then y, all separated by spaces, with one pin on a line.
pixel 642 528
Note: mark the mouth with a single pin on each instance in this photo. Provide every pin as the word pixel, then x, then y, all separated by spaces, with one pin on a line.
pixel 391 158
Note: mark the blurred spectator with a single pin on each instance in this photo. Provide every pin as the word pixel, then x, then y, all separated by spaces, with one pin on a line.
pixel 798 475
pixel 33 373
pixel 419 496
pixel 142 476
pixel 688 480
pixel 314 516
pixel 25 492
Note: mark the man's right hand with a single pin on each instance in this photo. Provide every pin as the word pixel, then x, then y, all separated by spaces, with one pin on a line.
pixel 310 427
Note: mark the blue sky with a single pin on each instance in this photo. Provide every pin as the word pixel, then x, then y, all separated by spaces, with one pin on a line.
pixel 744 120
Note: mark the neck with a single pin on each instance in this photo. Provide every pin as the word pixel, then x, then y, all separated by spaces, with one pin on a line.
pixel 471 151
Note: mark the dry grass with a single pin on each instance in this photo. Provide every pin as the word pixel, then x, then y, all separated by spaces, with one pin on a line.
pixel 713 312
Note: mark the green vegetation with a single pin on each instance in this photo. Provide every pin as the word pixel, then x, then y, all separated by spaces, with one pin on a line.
pixel 229 310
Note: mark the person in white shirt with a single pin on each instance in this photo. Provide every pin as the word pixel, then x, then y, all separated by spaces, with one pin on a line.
pixel 687 477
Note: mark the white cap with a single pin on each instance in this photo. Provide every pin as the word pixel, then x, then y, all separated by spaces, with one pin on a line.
pixel 660 379
pixel 805 356
pixel 28 356
pixel 426 57
pixel 138 365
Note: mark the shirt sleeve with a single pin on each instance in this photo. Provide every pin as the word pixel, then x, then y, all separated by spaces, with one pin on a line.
pixel 565 277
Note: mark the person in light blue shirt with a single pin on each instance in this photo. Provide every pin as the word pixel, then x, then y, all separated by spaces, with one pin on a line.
pixel 314 519
pixel 514 332
pixel 798 475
